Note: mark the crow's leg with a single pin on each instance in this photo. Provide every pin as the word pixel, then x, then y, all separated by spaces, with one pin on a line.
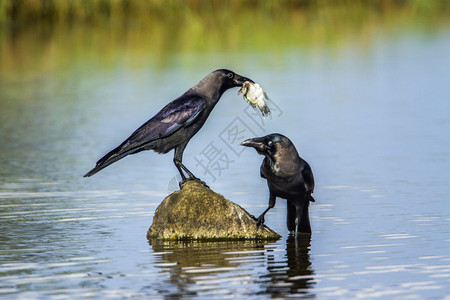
pixel 191 176
pixel 291 214
pixel 272 200
pixel 178 165
pixel 177 160
pixel 298 217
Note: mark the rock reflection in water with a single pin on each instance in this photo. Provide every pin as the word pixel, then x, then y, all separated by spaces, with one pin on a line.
pixel 234 267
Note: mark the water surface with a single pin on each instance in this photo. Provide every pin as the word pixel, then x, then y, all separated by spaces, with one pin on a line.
pixel 371 119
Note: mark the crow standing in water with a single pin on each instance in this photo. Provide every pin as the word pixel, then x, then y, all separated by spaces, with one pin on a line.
pixel 176 123
pixel 288 176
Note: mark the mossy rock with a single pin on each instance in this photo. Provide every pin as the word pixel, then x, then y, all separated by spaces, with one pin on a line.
pixel 197 212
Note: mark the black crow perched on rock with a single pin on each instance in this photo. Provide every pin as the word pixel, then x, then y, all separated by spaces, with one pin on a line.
pixel 176 123
pixel 288 176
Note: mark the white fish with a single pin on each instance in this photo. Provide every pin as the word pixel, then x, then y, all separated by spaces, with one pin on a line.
pixel 255 95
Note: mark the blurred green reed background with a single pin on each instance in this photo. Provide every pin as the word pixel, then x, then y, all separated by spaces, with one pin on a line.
pixel 46 34
pixel 63 10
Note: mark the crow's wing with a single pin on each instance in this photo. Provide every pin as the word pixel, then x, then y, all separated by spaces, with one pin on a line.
pixel 177 114
pixel 308 178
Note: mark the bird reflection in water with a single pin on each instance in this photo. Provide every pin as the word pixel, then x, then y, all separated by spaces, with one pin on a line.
pixel 234 268
pixel 291 274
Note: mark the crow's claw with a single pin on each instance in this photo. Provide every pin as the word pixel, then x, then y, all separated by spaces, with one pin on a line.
pixel 260 221
pixel 182 182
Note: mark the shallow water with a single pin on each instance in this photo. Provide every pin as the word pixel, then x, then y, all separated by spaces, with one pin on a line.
pixel 373 122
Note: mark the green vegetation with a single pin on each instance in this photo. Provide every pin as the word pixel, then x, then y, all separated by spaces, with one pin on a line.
pixel 47 33
pixel 71 10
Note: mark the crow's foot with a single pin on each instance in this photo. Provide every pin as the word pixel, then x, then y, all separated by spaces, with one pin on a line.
pixel 260 220
pixel 182 182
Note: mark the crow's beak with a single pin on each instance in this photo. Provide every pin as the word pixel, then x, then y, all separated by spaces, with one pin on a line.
pixel 257 143
pixel 239 80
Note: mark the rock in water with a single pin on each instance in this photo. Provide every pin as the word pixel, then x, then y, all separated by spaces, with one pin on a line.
pixel 196 212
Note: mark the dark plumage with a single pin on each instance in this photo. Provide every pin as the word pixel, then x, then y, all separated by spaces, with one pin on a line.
pixel 288 176
pixel 176 123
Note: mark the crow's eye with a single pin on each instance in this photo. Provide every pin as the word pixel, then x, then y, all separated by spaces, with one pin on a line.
pixel 230 75
pixel 269 143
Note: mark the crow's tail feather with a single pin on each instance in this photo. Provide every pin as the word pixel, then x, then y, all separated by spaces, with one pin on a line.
pixel 105 161
pixel 110 158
